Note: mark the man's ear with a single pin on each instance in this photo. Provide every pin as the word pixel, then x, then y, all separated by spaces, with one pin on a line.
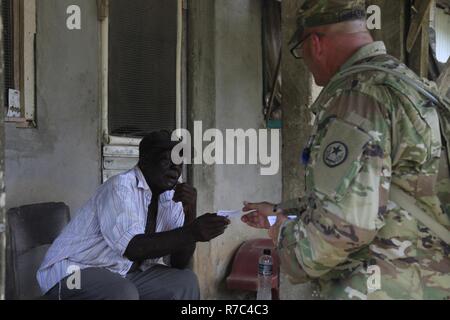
pixel 317 46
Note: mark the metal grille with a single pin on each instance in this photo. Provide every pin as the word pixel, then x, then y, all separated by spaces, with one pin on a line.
pixel 142 66
pixel 8 46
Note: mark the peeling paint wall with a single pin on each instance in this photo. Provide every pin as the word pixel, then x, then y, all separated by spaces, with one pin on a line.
pixel 60 159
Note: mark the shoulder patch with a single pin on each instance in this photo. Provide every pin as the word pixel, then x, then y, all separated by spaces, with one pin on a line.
pixel 339 159
pixel 335 154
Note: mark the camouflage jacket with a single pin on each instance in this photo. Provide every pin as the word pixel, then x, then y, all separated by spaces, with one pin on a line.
pixel 371 131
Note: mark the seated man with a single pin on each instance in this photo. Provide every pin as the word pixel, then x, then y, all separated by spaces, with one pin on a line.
pixel 117 241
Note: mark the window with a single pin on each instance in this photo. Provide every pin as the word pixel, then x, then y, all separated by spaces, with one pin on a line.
pixel 142 66
pixel 19 19
pixel 442 34
pixel 10 45
pixel 142 71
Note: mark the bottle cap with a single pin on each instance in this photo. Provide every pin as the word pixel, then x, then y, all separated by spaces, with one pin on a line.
pixel 267 252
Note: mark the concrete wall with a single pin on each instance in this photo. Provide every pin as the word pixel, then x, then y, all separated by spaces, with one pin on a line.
pixel 60 159
pixel 226 93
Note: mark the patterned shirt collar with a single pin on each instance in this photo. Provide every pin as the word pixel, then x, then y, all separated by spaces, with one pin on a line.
pixel 142 184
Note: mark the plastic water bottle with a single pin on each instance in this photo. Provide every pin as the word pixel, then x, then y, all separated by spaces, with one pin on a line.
pixel 265 266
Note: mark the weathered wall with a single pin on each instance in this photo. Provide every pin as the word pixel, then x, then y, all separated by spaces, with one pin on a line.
pixel 60 159
pixel 201 93
pixel 226 93
pixel 393 24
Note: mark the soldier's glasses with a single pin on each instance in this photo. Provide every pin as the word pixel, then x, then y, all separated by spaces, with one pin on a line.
pixel 297 51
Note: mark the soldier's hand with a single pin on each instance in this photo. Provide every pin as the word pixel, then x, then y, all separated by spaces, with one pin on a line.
pixel 263 208
pixel 208 226
pixel 256 220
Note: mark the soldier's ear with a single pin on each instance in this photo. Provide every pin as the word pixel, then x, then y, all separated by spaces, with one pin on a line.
pixel 317 46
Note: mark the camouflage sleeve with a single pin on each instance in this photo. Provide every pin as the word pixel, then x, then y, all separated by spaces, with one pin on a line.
pixel 348 179
pixel 293 207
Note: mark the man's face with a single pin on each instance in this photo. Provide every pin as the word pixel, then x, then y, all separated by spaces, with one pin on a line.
pixel 160 172
pixel 312 59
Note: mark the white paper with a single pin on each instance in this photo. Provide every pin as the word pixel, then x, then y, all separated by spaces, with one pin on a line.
pixel 13 104
pixel 273 219
pixel 232 214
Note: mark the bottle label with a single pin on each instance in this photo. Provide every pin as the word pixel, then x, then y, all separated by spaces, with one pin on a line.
pixel 265 269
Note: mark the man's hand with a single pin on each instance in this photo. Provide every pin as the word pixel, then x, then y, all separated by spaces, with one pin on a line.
pixel 258 219
pixel 187 195
pixel 208 226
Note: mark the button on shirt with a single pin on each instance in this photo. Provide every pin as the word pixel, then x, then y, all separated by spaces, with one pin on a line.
pixel 99 234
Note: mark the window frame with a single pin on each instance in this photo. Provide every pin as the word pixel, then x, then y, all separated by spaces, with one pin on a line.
pixel 103 15
pixel 24 51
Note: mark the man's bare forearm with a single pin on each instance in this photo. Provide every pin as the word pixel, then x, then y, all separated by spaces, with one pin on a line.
pixel 157 245
pixel 180 259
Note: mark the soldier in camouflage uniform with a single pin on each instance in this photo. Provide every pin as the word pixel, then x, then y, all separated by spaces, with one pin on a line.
pixel 372 131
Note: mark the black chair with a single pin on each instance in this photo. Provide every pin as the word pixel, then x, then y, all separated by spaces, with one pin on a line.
pixel 31 231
